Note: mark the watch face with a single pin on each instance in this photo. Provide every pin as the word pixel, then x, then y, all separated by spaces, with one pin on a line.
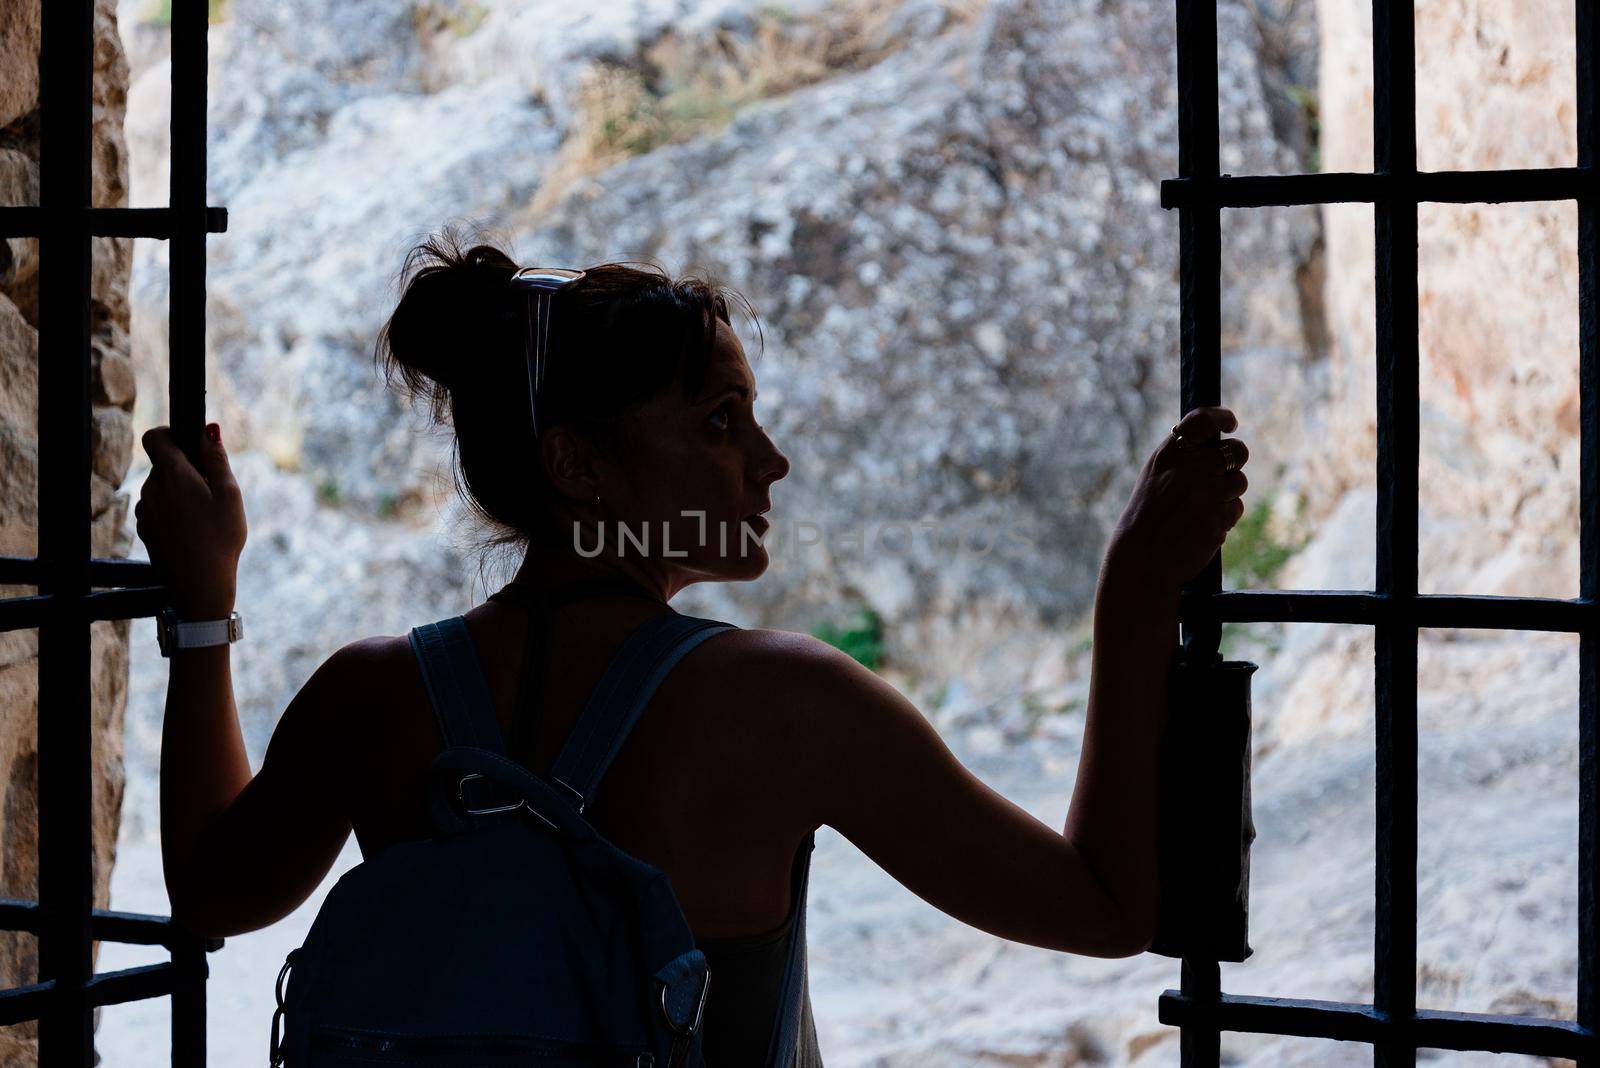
pixel 164 622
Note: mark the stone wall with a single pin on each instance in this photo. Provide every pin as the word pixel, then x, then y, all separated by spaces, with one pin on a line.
pixel 1497 293
pixel 111 438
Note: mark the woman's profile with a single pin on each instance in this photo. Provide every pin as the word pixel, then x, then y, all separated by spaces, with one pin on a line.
pixel 647 423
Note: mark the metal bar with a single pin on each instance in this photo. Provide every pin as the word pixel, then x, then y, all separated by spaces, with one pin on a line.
pixel 136 928
pixel 1395 679
pixel 186 388
pixel 186 308
pixel 103 571
pixel 131 984
pixel 21 613
pixel 1356 187
pixel 1365 607
pixel 29 1002
pixel 129 928
pixel 1199 257
pixel 1429 1029
pixel 66 1031
pixel 1362 607
pixel 159 223
pixel 1200 377
pixel 189 1003
pixel 1588 933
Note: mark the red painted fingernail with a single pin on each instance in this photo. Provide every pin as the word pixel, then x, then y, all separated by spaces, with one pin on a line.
pixel 214 432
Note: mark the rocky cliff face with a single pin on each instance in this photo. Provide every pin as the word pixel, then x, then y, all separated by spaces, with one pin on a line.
pixel 947 220
pixel 946 214
pixel 111 436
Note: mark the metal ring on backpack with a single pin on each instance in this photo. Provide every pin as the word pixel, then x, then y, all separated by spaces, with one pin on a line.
pixel 521 802
pixel 699 1009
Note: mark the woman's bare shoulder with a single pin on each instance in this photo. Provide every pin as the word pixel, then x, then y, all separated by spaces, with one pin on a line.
pixel 781 664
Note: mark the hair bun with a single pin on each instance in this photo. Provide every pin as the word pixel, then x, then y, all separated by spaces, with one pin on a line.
pixel 448 317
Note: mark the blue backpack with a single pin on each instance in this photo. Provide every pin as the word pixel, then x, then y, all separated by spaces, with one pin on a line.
pixel 516 935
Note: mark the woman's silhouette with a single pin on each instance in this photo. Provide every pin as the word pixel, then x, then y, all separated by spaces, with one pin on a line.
pixel 646 413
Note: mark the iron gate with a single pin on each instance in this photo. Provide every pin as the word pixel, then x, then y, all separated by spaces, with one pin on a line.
pixel 75 590
pixel 1393 1025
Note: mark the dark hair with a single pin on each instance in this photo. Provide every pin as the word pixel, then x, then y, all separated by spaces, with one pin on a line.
pixel 618 337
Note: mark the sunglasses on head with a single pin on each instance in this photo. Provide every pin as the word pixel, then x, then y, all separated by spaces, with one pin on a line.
pixel 539 283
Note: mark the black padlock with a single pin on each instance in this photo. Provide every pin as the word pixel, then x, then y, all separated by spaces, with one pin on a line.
pixel 1205 824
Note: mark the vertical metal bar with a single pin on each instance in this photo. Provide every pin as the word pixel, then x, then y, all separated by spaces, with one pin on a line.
pixel 1394 131
pixel 1197 1044
pixel 186 285
pixel 1588 52
pixel 1199 259
pixel 186 383
pixel 1200 303
pixel 66 886
pixel 189 1004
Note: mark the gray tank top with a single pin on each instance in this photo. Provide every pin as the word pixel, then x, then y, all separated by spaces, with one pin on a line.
pixel 747 1006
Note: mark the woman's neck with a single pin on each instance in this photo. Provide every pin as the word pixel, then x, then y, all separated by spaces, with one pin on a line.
pixel 549 575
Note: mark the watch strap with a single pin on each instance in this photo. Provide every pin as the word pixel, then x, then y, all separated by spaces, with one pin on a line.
pixel 196 634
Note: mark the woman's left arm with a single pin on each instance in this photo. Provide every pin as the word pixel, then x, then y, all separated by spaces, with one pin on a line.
pixel 238 852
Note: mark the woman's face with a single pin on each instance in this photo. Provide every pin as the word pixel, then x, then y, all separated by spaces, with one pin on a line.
pixel 687 503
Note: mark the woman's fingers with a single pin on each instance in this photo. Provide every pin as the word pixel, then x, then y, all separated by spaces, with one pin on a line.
pixel 1234 483
pixel 1195 436
pixel 1206 422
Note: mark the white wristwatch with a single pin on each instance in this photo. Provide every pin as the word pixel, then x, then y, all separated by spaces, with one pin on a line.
pixel 174 633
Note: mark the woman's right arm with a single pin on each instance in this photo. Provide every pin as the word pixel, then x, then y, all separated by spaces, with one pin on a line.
pixel 877 771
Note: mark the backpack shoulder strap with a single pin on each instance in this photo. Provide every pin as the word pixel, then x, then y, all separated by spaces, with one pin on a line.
pixel 456 685
pixel 646 656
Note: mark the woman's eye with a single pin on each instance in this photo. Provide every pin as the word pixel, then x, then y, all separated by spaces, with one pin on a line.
pixel 725 412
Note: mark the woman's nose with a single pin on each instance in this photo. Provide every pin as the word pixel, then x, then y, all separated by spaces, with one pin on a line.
pixel 777 464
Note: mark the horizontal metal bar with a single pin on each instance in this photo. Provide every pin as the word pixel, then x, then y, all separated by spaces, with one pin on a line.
pixel 138 603
pixel 25 1002
pixel 103 571
pixel 107 988
pixel 140 929
pixel 1430 1029
pixel 21 613
pixel 128 928
pixel 33 221
pixel 1367 608
pixel 1277 1016
pixel 17 915
pixel 1345 187
pixel 132 984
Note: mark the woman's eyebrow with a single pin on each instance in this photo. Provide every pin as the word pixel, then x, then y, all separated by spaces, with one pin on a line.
pixel 742 391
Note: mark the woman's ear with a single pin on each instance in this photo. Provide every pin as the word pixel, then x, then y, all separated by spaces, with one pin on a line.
pixel 571 464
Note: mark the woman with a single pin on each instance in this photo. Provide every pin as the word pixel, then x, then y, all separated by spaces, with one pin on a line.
pixel 646 418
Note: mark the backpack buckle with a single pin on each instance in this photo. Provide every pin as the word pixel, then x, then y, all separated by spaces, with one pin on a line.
pixel 461 788
pixel 577 794
pixel 521 802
